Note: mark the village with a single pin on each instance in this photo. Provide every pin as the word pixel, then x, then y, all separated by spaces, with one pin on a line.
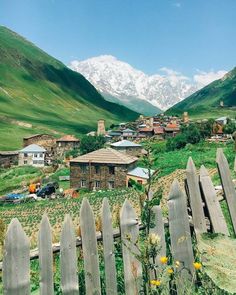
pixel 113 166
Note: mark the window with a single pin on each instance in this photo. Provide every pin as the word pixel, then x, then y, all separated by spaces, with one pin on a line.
pixel 25 162
pixel 111 184
pixel 40 155
pixel 97 169
pixel 25 155
pixel 83 183
pixel 97 184
pixel 83 168
pixel 111 169
pixel 35 155
pixel 139 181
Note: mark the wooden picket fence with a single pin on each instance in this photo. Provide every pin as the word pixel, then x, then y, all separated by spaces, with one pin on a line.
pixel 206 215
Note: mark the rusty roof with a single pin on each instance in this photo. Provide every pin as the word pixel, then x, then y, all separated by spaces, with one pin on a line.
pixel 106 156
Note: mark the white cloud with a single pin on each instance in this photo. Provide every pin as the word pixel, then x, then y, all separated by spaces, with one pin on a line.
pixel 205 78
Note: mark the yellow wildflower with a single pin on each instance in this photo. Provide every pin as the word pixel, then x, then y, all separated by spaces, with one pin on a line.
pixel 155 283
pixel 177 263
pixel 170 270
pixel 197 265
pixel 163 259
pixel 154 239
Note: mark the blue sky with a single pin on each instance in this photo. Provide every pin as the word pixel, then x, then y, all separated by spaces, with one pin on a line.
pixel 183 35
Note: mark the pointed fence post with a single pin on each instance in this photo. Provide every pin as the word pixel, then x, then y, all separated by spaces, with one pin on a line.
pixel 159 230
pixel 199 221
pixel 90 252
pixel 227 184
pixel 108 249
pixel 68 259
pixel 215 212
pixel 16 261
pixel 180 236
pixel 45 257
pixel 129 235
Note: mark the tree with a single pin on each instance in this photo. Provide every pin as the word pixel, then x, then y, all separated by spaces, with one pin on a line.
pixel 91 143
pixel 229 128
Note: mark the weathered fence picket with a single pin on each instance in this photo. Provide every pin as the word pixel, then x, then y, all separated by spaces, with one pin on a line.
pixel 215 212
pixel 199 221
pixel 180 236
pixel 108 249
pixel 45 257
pixel 68 259
pixel 90 252
pixel 16 261
pixel 227 184
pixel 130 235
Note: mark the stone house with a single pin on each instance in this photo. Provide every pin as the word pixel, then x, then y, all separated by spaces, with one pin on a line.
pixel 8 158
pixel 66 143
pixel 44 140
pixel 33 155
pixel 159 132
pixel 128 147
pixel 171 130
pixel 101 169
pixel 147 131
pixel 128 134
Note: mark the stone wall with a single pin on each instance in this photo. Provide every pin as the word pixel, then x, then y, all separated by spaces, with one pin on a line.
pixel 89 175
pixel 64 146
pixel 132 151
pixel 44 140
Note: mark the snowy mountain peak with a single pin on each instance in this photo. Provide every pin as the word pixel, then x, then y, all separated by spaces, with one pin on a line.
pixel 120 81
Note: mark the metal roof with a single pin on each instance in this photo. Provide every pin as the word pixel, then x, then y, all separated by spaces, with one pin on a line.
pixel 140 172
pixel 105 156
pixel 33 148
pixel 125 143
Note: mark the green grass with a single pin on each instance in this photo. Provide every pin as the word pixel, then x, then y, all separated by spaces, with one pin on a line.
pixel 37 89
pixel 17 177
pixel 203 153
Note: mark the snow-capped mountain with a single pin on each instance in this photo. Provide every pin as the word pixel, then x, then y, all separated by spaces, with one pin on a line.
pixel 120 82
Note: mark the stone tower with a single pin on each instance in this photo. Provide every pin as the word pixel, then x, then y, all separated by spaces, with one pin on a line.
pixel 101 127
pixel 185 117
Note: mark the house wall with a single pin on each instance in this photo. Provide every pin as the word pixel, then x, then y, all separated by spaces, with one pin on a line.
pixel 89 175
pixel 7 161
pixel 31 159
pixel 137 179
pixel 64 146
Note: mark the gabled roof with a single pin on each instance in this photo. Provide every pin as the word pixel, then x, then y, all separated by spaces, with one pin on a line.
pixel 33 148
pixel 172 127
pixel 159 130
pixel 140 172
pixel 125 143
pixel 68 138
pixel 106 156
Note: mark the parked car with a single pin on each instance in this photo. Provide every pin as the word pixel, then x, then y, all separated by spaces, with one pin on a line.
pixel 47 190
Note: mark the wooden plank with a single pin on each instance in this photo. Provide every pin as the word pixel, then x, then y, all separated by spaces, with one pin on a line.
pixel 45 257
pixel 158 230
pixel 227 184
pixel 195 198
pixel 90 252
pixel 181 243
pixel 68 259
pixel 129 236
pixel 215 213
pixel 108 249
pixel 16 261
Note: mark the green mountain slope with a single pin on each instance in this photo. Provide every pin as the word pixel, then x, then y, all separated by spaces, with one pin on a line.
pixel 206 101
pixel 138 105
pixel 40 94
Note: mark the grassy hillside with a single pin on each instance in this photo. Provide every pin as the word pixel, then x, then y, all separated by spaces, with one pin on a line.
pixel 205 102
pixel 39 93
